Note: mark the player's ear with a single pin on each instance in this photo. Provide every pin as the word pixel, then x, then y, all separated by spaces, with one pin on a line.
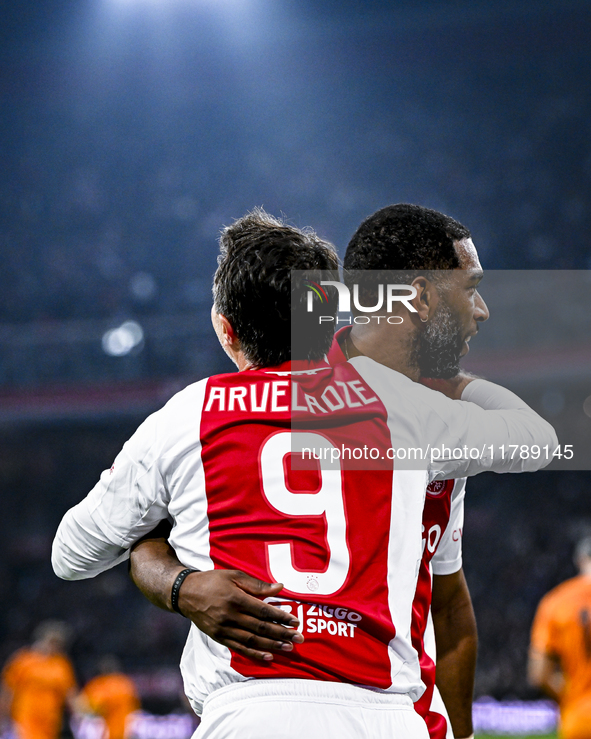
pixel 228 335
pixel 426 298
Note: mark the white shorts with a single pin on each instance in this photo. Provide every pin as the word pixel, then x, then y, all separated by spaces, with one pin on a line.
pixel 307 709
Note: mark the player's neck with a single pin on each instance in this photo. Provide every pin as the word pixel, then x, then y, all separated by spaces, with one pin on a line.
pixel 387 347
pixel 242 362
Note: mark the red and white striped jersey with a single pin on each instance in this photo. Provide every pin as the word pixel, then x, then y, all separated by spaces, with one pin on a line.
pixel 345 541
pixel 443 519
pixel 343 536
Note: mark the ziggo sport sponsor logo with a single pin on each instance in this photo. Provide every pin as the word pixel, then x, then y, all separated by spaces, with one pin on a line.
pixel 391 297
pixel 317 619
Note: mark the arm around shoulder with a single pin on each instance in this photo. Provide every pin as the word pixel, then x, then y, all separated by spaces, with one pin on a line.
pixel 490 428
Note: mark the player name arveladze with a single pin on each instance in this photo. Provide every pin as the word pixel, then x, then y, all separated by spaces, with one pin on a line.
pixel 273 396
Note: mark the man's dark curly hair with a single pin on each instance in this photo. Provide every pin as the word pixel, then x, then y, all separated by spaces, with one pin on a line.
pixel 254 288
pixel 405 238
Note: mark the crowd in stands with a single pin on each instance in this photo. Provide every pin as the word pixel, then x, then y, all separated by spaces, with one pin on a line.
pixel 123 218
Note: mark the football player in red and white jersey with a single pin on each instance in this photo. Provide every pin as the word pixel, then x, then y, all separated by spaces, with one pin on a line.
pixel 406 231
pixel 400 238
pixel 440 569
pixel 216 459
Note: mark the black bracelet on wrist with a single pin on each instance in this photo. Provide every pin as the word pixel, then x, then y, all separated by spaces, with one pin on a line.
pixel 176 587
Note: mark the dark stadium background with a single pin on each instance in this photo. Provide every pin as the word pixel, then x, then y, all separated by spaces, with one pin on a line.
pixel 132 130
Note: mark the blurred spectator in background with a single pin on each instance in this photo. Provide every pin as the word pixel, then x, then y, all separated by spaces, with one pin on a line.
pixel 111 695
pixel 560 654
pixel 37 682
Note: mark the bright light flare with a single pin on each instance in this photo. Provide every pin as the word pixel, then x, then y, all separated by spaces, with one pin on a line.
pixel 117 342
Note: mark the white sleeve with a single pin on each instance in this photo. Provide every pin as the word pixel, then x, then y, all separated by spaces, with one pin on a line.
pixel 448 555
pixel 458 438
pixel 492 397
pixel 127 502
pixel 486 435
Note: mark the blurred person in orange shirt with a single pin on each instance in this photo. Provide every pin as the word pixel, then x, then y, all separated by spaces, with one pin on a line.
pixel 560 652
pixel 37 682
pixel 111 695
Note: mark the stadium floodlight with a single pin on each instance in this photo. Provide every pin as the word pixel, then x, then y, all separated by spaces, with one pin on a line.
pixel 117 342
